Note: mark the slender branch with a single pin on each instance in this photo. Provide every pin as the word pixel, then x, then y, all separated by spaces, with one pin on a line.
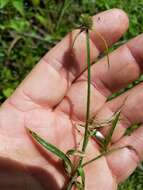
pixel 100 155
pixel 86 135
pixel 85 141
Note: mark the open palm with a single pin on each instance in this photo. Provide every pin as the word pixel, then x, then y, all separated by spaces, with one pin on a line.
pixel 52 102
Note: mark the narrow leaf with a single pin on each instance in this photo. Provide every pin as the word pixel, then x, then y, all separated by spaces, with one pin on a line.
pixel 79 185
pixel 82 175
pixel 132 128
pixel 13 43
pixel 41 19
pixel 19 6
pixel 3 3
pixel 75 153
pixel 52 149
pixel 66 4
pixel 36 2
pixel 110 133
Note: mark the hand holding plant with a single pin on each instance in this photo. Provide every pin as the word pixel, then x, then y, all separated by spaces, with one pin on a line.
pixel 67 115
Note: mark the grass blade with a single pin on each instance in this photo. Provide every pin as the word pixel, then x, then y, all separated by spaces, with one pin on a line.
pixel 75 152
pixel 65 6
pixel 79 185
pixel 132 128
pixel 110 133
pixel 82 175
pixel 52 149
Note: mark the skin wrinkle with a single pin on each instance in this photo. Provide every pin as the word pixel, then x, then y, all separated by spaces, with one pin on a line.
pixel 70 106
pixel 124 48
pixel 123 115
pixel 26 97
pixel 13 105
pixel 112 173
pixel 133 56
pixel 23 98
pixel 59 68
pixel 133 155
pixel 135 50
pixel 35 102
pixel 136 156
pixel 133 142
pixel 95 84
pixel 105 91
pixel 46 102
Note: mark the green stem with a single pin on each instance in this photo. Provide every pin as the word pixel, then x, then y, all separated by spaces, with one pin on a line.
pixel 100 155
pixel 71 182
pixel 86 135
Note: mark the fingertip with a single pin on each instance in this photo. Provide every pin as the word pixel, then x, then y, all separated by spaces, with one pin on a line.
pixel 122 18
pixel 122 163
pixel 117 22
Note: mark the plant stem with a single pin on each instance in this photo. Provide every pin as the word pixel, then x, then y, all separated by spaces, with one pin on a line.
pixel 100 155
pixel 71 182
pixel 86 135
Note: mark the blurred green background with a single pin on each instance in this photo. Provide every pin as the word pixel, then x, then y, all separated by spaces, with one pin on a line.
pixel 29 28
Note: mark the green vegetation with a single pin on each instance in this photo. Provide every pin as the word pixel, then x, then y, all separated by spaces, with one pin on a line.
pixel 29 28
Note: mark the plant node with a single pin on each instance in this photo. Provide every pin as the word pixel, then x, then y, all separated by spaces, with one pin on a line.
pixel 86 22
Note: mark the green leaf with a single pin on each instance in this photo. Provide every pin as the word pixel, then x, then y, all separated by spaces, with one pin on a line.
pixel 79 185
pixel 82 175
pixel 19 6
pixel 132 128
pixel 3 3
pixel 54 150
pixel 7 92
pixel 75 153
pixel 110 133
pixel 93 133
pixel 36 2
pixel 20 25
pixel 66 4
pixel 41 19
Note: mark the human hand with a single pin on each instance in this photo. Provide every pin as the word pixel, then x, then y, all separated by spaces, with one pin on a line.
pixel 53 96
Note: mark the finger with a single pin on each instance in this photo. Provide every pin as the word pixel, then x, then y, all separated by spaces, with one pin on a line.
pixel 125 66
pixel 62 64
pixel 124 161
pixel 131 111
